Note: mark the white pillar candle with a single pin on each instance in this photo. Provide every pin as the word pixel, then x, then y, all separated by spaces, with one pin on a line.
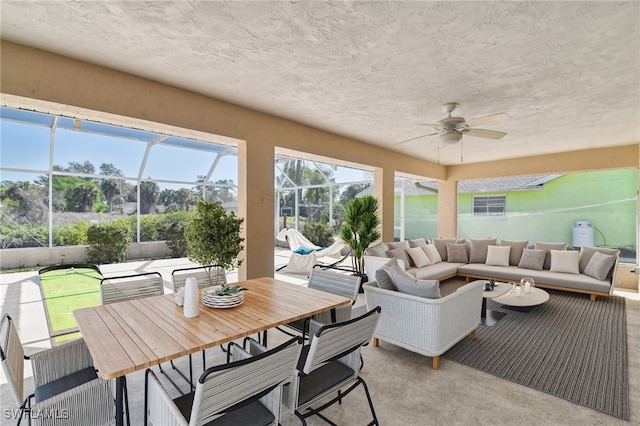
pixel 527 287
pixel 517 292
pixel 191 298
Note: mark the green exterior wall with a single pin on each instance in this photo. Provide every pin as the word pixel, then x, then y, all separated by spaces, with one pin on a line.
pixel 606 199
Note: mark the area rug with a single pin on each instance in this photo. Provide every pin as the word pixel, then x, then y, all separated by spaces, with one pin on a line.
pixel 569 347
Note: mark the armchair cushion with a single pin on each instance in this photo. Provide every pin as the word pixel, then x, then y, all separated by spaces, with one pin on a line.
pixel 406 283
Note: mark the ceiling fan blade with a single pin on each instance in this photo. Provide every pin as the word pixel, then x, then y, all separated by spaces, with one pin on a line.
pixel 417 137
pixel 433 126
pixel 484 133
pixel 488 119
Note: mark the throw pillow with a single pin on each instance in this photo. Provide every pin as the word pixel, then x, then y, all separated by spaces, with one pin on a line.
pixel 586 252
pixel 433 254
pixel 532 259
pixel 478 249
pixel 378 250
pixel 400 254
pixel 419 242
pixel 441 245
pixel 565 261
pixel 408 284
pixel 457 253
pixel 516 250
pixel 398 244
pixel 549 246
pixel 498 255
pixel 384 279
pixel 600 265
pixel 419 257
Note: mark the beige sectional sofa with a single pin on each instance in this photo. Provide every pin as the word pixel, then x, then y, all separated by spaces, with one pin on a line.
pixel 591 270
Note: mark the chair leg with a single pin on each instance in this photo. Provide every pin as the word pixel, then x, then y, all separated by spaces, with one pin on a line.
pixel 341 395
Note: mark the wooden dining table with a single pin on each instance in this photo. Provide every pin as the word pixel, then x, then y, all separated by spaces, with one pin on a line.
pixel 133 335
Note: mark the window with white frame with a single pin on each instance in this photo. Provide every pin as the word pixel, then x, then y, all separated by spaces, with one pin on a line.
pixel 494 205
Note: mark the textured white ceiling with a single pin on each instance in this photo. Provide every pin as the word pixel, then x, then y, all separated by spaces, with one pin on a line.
pixel 567 72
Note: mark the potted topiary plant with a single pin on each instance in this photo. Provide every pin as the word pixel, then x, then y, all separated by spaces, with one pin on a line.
pixel 213 238
pixel 360 229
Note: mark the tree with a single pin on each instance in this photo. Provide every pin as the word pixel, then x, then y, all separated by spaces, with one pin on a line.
pixel 111 188
pixel 24 202
pixel 149 192
pixel 213 236
pixel 84 195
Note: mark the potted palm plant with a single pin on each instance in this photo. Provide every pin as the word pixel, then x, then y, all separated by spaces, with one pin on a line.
pixel 213 238
pixel 360 229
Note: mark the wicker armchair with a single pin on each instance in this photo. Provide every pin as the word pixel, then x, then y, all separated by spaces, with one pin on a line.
pixel 67 389
pixel 426 326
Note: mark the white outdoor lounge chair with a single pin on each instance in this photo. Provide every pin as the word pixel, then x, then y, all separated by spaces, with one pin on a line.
pixel 306 254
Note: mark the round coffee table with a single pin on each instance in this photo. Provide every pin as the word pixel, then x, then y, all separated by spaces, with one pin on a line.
pixel 537 297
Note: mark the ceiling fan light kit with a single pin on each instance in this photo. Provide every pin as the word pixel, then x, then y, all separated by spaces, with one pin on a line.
pixel 450 137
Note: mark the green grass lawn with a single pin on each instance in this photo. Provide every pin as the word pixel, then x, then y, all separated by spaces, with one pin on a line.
pixel 65 290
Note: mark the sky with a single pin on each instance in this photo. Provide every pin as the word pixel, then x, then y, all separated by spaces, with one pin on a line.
pixel 27 146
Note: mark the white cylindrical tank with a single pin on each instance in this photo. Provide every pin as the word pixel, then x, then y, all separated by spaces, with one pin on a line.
pixel 582 234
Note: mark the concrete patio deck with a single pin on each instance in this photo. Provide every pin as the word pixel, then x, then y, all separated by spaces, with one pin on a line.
pixel 406 391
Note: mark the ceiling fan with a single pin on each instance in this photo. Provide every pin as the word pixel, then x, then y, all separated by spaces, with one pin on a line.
pixel 451 129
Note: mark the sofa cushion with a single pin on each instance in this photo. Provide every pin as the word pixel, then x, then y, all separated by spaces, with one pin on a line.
pixel 379 250
pixel 516 250
pixel 498 255
pixel 406 283
pixel 549 246
pixel 532 259
pixel 513 273
pixel 586 252
pixel 432 253
pixel 600 265
pixel 441 245
pixel 478 249
pixel 437 271
pixel 401 254
pixel 418 242
pixel 457 253
pixel 564 261
pixel 419 257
